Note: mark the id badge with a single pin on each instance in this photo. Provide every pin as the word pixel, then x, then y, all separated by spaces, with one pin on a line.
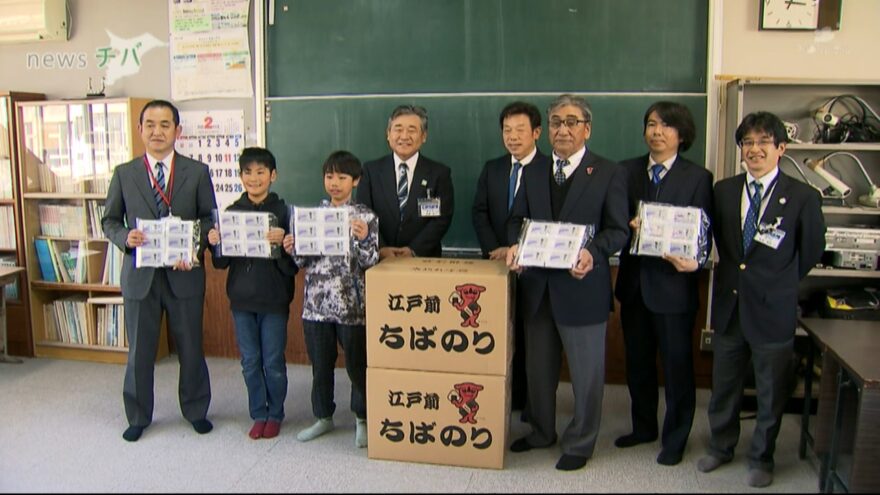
pixel 429 207
pixel 770 237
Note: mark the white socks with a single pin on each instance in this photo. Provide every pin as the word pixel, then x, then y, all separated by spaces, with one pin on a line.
pixel 360 434
pixel 320 427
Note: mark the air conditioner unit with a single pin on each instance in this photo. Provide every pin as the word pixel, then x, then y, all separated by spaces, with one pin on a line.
pixel 23 21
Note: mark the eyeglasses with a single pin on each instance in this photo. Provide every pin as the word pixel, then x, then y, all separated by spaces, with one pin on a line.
pixel 762 143
pixel 569 122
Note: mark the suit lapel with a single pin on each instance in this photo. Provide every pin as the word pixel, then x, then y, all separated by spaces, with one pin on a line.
pixel 672 178
pixel 388 183
pixel 581 177
pixel 778 199
pixel 182 172
pixel 418 189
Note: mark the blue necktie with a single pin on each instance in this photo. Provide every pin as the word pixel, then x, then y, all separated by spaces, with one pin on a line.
pixel 656 169
pixel 750 227
pixel 511 185
pixel 559 176
pixel 160 182
pixel 402 188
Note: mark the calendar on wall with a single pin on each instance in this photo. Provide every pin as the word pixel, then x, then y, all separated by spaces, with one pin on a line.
pixel 216 138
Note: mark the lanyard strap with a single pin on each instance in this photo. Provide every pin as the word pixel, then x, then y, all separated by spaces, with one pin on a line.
pixel 764 196
pixel 165 198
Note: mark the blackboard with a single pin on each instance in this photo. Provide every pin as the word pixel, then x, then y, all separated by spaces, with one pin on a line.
pixel 333 78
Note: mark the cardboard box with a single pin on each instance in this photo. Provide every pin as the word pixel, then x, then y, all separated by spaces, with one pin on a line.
pixel 441 418
pixel 436 314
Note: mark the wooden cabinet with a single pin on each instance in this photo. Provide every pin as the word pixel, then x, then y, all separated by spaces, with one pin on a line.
pixel 11 241
pixel 67 153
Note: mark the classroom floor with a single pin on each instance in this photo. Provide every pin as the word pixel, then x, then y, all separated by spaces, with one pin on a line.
pixel 61 424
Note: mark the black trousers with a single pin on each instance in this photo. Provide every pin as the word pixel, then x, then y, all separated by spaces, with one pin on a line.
pixel 645 333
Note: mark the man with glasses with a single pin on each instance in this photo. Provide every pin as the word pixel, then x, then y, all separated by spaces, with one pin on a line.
pixel 769 233
pixel 567 310
pixel 410 193
pixel 496 188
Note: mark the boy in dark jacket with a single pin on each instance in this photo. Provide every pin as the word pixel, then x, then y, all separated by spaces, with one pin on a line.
pixel 260 291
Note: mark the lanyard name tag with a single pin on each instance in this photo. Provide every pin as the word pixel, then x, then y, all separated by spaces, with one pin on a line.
pixel 429 207
pixel 769 236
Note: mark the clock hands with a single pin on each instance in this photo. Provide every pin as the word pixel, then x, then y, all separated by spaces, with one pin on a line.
pixel 789 3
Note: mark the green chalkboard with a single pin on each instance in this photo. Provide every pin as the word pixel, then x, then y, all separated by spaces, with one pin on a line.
pixel 463 133
pixel 329 47
pixel 336 69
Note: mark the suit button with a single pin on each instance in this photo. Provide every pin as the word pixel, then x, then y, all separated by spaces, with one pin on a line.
pixel 735 292
pixel 742 266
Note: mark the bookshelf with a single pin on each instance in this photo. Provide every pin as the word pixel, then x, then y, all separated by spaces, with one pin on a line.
pixel 68 151
pixel 19 339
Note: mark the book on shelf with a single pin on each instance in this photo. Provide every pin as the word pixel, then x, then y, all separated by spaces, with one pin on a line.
pixel 62 220
pixel 5 177
pixel 44 257
pixel 112 266
pixel 110 321
pixel 7 227
pixel 11 289
pixel 65 321
pixel 96 212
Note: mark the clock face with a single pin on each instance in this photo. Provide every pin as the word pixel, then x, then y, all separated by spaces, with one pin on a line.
pixel 789 14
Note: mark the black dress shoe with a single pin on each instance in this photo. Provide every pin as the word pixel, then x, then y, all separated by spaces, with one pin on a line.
pixel 669 457
pixel 521 445
pixel 632 439
pixel 202 426
pixel 132 433
pixel 570 462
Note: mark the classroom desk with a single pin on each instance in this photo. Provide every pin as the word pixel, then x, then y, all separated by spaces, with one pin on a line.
pixel 8 275
pixel 850 388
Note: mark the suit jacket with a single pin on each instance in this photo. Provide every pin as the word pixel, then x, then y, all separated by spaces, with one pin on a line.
pixel 490 212
pixel 378 191
pixel 764 281
pixel 663 289
pixel 130 197
pixel 597 196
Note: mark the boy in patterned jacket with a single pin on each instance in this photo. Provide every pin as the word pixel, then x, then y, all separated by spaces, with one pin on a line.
pixel 333 306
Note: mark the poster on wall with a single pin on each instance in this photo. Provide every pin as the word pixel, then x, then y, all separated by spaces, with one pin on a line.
pixel 210 57
pixel 215 137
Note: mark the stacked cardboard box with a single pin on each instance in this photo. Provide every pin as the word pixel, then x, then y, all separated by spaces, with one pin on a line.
pixel 439 345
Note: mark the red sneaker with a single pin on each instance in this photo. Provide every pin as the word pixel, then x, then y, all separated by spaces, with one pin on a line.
pixel 272 429
pixel 257 430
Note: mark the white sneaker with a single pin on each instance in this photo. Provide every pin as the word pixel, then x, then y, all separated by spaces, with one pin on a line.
pixel 322 426
pixel 360 434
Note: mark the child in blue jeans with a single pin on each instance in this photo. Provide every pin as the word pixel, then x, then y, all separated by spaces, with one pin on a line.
pixel 333 305
pixel 260 291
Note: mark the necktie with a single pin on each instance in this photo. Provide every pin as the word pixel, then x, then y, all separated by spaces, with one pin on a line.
pixel 559 176
pixel 656 169
pixel 751 224
pixel 511 185
pixel 402 188
pixel 160 183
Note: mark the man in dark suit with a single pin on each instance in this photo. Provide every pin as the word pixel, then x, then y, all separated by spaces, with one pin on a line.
pixel 769 233
pixel 497 186
pixel 155 185
pixel 568 309
pixel 658 297
pixel 410 193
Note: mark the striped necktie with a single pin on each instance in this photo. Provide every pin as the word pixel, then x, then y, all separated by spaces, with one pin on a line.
pixel 656 170
pixel 511 185
pixel 402 188
pixel 160 182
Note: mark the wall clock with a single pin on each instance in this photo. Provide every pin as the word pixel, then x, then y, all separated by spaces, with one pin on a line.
pixel 799 15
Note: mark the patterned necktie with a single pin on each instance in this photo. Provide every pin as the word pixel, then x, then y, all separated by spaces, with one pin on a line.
pixel 402 188
pixel 750 227
pixel 511 186
pixel 656 169
pixel 160 182
pixel 559 176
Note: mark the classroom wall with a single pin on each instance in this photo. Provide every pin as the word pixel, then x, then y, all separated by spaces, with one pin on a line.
pixel 850 53
pixel 91 19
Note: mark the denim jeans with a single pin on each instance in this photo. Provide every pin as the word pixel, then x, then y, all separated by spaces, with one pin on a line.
pixel 261 339
pixel 321 338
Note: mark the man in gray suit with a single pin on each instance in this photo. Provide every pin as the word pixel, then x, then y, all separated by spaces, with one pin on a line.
pixel 155 185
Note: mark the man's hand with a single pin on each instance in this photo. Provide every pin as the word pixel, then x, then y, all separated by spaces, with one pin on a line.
pixel 583 266
pixel 511 259
pixel 682 264
pixel 499 253
pixel 404 252
pixel 386 252
pixel 288 244
pixel 135 238
pixel 214 236
pixel 635 224
pixel 183 266
pixel 275 235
